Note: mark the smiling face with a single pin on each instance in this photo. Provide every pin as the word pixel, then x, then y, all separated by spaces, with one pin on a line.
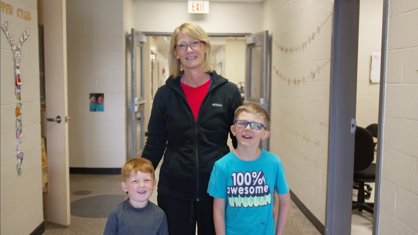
pixel 100 99
pixel 139 187
pixel 246 136
pixel 190 52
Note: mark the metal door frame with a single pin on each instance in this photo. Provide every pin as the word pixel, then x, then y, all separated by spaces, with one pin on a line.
pixel 136 39
pixel 342 113
pixel 263 40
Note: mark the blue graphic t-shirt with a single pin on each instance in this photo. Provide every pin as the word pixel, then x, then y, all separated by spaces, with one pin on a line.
pixel 248 187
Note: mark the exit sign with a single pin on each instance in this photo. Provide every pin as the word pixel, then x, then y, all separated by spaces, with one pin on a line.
pixel 199 7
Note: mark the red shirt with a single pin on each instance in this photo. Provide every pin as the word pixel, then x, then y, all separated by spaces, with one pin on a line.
pixel 195 96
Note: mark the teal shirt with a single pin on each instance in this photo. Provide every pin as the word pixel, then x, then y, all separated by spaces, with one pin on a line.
pixel 96 107
pixel 248 189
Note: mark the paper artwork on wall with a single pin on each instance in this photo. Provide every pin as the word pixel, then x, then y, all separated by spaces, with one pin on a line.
pixel 375 68
pixel 18 80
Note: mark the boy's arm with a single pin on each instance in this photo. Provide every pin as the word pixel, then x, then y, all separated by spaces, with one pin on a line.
pixel 275 207
pixel 219 215
pixel 284 200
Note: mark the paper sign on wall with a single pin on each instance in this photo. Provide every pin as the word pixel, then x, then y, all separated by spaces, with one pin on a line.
pixel 375 68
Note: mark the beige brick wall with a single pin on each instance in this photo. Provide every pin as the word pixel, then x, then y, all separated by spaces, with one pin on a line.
pixel 399 191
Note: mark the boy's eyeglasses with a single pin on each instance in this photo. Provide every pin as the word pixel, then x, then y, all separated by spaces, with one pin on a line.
pixel 183 46
pixel 253 125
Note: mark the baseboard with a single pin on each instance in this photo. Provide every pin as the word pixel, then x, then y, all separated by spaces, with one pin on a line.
pixel 39 230
pixel 94 171
pixel 311 217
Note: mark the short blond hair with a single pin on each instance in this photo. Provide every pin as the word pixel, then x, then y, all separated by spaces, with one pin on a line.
pixel 195 32
pixel 253 108
pixel 135 165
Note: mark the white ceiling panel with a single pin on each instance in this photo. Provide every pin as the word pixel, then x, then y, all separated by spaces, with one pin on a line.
pixel 232 1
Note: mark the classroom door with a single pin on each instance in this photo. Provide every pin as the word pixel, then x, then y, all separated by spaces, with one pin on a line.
pixel 257 74
pixel 56 111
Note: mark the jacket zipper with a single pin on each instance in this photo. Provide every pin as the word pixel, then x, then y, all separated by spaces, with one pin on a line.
pixel 196 137
pixel 197 198
pixel 197 145
pixel 197 163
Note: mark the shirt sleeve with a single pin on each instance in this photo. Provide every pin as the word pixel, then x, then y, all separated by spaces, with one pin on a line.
pixel 217 182
pixel 282 187
pixel 157 137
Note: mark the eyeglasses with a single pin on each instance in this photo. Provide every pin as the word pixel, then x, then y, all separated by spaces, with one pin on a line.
pixel 253 125
pixel 183 46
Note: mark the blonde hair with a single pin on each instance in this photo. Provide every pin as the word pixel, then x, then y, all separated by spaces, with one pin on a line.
pixel 134 165
pixel 253 108
pixel 195 32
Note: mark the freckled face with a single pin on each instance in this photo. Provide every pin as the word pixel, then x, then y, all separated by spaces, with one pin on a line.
pixel 140 187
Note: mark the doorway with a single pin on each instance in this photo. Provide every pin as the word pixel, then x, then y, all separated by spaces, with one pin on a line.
pixel 355 27
pixel 257 72
pixel 55 110
pixel 148 67
pixel 367 95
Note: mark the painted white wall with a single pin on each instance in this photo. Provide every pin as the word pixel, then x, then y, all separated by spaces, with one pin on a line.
pixel 161 69
pixel 96 64
pixel 300 94
pixel 224 17
pixel 219 60
pixel 234 65
pixel 21 196
pixel 399 192
pixel 127 15
pixel 370 41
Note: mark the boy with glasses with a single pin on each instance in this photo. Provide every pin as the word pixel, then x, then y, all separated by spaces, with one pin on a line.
pixel 244 181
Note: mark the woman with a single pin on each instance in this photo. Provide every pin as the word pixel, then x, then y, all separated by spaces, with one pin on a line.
pixel 189 125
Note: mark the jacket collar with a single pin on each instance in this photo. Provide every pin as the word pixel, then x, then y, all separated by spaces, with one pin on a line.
pixel 216 80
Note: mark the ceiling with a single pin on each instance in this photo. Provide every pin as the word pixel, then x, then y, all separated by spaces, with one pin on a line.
pixel 232 1
pixel 162 42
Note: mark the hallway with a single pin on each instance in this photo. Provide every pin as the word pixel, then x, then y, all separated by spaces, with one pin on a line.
pixel 93 196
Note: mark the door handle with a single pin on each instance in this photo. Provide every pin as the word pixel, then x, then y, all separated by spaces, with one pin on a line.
pixel 57 119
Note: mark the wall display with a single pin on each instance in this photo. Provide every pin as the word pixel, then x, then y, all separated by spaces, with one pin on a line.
pixel 17 56
pixel 96 102
pixel 309 39
pixel 375 67
pixel 313 73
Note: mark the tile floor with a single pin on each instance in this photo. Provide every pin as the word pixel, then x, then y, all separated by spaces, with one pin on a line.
pixel 85 186
pixel 362 222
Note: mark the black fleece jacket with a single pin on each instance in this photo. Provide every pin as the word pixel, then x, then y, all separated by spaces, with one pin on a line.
pixel 190 147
